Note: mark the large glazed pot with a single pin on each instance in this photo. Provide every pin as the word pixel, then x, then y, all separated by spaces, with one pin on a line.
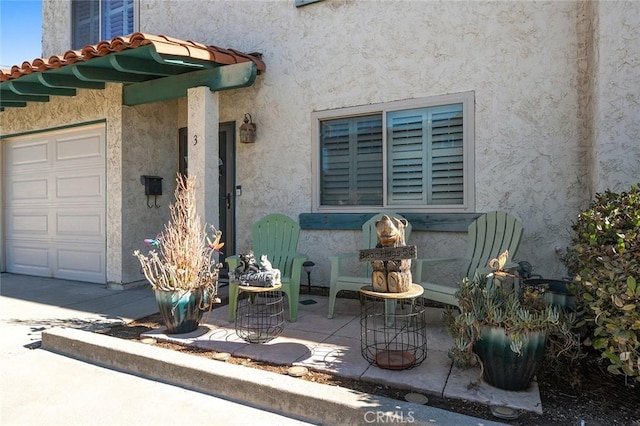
pixel 556 293
pixel 181 310
pixel 504 368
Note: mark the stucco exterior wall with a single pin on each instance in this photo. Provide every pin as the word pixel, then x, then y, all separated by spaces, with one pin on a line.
pixel 150 147
pixel 520 58
pixel 617 148
pixel 556 114
pixel 56 27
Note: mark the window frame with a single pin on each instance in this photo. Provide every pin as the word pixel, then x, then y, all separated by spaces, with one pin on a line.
pixel 467 99
pixel 136 24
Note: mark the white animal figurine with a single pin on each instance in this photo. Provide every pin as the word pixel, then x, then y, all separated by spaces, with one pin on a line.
pixel 265 266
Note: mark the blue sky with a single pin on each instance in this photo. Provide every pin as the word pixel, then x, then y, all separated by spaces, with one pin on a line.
pixel 20 31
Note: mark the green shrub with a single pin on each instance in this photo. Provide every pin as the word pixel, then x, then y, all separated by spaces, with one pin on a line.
pixel 605 259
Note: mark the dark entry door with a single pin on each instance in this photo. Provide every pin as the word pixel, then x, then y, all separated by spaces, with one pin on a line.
pixel 227 180
pixel 226 165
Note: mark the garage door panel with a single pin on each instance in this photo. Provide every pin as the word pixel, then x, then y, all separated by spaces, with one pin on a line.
pixel 80 187
pixel 28 223
pixel 86 264
pixel 83 149
pixel 34 189
pixel 72 260
pixel 28 154
pixel 25 257
pixel 55 204
pixel 84 225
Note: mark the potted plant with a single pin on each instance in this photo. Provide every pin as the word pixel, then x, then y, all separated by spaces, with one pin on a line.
pixel 181 267
pixel 501 325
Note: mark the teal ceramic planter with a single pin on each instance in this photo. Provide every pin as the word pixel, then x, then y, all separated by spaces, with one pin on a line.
pixel 181 311
pixel 504 368
pixel 557 293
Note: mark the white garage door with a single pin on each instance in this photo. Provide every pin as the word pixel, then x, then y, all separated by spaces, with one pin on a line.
pixel 55 204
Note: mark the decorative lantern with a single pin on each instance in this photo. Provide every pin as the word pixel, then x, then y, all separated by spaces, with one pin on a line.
pixel 248 130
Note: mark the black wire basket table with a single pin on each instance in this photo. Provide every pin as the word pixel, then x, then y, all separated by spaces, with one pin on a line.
pixel 393 329
pixel 260 313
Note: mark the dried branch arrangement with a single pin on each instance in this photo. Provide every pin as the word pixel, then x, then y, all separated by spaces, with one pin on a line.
pixel 183 254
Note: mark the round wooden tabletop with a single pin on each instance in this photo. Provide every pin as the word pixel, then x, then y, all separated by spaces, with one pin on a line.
pixel 415 290
pixel 256 289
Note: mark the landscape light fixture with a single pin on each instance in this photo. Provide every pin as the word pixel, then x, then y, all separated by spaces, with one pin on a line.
pixel 308 266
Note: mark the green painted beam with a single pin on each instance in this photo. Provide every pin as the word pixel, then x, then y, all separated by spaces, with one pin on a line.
pixel 57 80
pixel 38 89
pixel 192 63
pixel 12 104
pixel 217 79
pixel 8 95
pixel 87 73
pixel 134 65
pixel 435 222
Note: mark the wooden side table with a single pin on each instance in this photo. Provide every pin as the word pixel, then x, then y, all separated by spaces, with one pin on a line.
pixel 393 329
pixel 260 315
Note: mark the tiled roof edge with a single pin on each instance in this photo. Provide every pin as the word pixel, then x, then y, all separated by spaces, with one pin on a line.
pixel 163 45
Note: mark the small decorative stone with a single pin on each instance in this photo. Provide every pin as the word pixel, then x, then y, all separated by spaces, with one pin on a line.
pixel 221 356
pixel 503 412
pixel 297 371
pixel 416 398
pixel 148 340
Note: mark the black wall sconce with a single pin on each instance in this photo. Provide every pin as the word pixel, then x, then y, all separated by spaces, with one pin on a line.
pixel 248 130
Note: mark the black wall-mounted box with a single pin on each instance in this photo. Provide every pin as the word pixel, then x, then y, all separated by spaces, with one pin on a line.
pixel 152 185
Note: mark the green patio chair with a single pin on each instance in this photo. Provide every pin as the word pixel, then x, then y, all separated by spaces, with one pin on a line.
pixel 488 236
pixel 275 235
pixel 340 280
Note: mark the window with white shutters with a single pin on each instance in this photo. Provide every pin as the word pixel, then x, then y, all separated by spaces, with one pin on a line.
pixel 351 161
pixel 423 160
pixel 96 20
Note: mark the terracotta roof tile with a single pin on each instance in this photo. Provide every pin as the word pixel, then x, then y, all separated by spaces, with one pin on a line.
pixel 163 45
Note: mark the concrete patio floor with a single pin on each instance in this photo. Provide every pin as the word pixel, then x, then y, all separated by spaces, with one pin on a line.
pixel 333 346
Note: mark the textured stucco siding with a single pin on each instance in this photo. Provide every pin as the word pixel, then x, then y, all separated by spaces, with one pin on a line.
pixel 151 148
pixel 617 151
pixel 56 27
pixel 555 83
pixel 520 59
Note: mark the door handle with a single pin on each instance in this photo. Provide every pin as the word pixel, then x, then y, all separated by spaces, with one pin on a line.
pixel 228 199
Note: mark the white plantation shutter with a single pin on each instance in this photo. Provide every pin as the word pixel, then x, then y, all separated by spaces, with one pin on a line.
pixel 425 153
pixel 351 161
pixel 117 18
pixel 95 20
pixel 86 24
pixel 368 161
pixel 447 171
pixel 335 162
pixel 407 147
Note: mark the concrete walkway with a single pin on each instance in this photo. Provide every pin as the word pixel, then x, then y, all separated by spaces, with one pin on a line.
pixel 52 389
pixel 333 346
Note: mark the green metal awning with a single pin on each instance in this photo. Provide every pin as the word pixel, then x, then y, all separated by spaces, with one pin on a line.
pixel 152 68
